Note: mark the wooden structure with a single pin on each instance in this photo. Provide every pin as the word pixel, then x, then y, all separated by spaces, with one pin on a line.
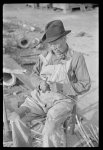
pixel 63 6
pixel 70 6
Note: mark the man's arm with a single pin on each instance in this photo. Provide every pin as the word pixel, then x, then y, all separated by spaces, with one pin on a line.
pixel 80 78
pixel 35 76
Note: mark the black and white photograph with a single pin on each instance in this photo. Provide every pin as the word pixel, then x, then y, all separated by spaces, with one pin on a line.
pixel 50 74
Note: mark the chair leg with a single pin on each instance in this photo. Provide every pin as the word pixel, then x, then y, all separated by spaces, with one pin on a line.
pixel 73 121
pixel 65 125
pixel 68 123
pixel 72 127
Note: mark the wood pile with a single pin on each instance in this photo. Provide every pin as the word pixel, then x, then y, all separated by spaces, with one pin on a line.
pixel 17 43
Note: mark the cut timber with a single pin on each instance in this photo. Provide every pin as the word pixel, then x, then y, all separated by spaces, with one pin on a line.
pixel 26 80
pixel 10 64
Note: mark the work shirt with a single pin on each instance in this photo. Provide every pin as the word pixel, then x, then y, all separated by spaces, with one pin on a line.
pixel 78 81
pixel 77 73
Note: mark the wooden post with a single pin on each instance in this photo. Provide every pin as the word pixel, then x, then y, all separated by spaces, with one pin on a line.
pixel 65 9
pixel 82 7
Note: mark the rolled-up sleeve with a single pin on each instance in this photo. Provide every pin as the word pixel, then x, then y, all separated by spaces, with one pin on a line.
pixel 82 82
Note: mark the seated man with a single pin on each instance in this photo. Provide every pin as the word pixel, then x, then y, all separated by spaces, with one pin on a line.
pixel 58 74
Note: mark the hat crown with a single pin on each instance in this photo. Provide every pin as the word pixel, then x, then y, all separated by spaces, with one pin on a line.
pixel 54 29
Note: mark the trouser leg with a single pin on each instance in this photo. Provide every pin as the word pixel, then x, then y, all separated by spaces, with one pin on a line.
pixel 53 133
pixel 21 134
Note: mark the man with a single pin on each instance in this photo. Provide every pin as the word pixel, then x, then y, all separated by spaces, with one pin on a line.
pixel 58 74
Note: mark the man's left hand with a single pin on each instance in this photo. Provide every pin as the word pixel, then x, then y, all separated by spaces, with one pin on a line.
pixel 53 87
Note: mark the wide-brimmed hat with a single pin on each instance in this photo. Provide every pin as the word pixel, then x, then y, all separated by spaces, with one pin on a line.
pixel 53 31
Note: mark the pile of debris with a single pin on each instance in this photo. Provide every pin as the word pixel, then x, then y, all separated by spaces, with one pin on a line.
pixel 20 53
pixel 16 41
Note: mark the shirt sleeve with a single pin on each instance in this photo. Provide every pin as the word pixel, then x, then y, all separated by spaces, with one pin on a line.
pixel 35 76
pixel 80 78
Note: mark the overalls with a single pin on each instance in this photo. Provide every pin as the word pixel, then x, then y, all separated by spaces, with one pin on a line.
pixel 57 105
pixel 53 134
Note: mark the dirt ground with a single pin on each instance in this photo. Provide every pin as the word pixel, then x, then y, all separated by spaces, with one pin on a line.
pixel 87 43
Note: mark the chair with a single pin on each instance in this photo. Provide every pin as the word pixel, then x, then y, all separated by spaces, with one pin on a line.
pixel 69 123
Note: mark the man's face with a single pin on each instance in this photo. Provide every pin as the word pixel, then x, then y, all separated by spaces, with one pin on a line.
pixel 58 46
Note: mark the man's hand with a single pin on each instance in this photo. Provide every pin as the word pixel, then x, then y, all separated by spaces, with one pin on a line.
pixel 43 85
pixel 56 87
pixel 53 87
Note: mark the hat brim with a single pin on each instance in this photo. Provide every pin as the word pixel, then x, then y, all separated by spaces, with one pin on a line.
pixel 48 40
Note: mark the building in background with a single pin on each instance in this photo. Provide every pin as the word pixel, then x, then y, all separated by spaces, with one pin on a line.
pixel 64 6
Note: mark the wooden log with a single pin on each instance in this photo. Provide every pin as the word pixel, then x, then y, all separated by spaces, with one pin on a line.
pixel 26 80
pixel 10 64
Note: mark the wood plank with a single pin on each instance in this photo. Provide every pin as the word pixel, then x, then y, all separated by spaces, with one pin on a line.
pixel 26 80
